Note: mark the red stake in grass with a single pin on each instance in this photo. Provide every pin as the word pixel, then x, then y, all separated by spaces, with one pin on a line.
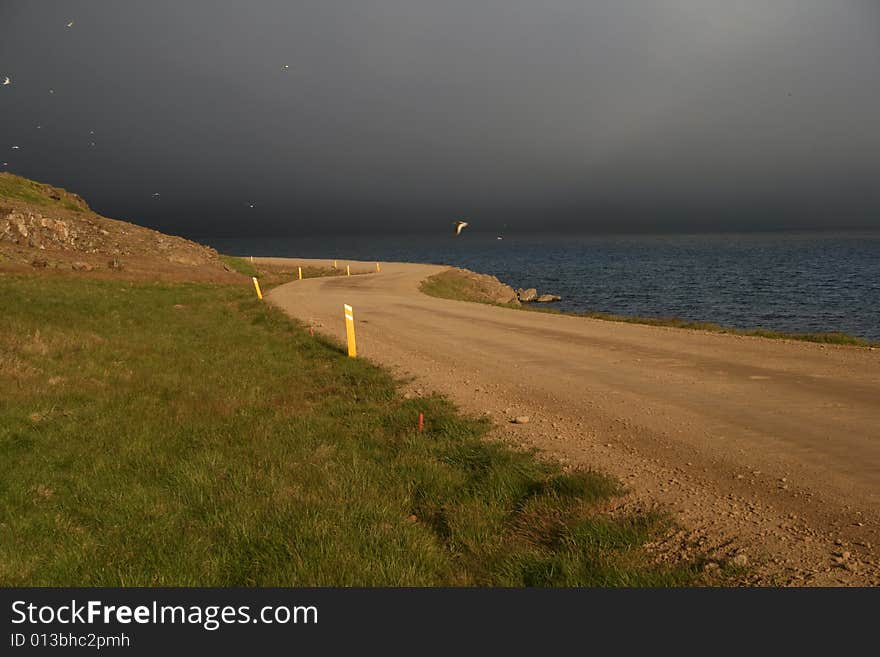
pixel 421 422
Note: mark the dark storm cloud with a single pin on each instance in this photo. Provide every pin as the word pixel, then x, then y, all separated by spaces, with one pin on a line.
pixel 607 115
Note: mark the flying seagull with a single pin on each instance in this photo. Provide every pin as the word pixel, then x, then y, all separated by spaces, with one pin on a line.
pixel 156 195
pixel 459 226
pixel 6 81
pixel 286 66
pixel 15 148
pixel 70 24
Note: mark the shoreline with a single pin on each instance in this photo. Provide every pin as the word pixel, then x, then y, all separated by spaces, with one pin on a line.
pixel 835 338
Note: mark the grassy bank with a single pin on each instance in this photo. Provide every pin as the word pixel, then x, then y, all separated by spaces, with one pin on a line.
pixel 187 434
pixel 16 188
pixel 452 284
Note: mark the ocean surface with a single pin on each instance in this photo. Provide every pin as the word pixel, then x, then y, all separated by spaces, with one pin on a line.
pixel 794 282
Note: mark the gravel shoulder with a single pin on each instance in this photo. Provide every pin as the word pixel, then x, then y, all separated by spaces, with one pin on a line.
pixel 764 448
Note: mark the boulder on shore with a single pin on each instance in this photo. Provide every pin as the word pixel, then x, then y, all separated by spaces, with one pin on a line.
pixel 545 298
pixel 528 295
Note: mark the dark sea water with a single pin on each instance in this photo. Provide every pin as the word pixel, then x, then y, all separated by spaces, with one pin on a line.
pixel 796 282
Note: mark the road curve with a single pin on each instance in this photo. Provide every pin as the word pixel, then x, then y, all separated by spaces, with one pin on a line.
pixel 767 447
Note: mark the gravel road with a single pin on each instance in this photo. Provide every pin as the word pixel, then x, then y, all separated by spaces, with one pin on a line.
pixel 767 451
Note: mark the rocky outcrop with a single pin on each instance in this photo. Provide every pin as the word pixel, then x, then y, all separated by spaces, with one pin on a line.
pixel 48 228
pixel 463 284
pixel 489 289
pixel 87 234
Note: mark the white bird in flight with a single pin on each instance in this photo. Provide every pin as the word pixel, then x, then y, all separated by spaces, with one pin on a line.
pixel 156 195
pixel 6 81
pixel 15 148
pixel 70 24
pixel 459 226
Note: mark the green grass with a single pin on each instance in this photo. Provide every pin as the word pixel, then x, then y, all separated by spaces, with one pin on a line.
pixel 187 434
pixel 271 276
pixel 23 189
pixel 241 265
pixel 451 284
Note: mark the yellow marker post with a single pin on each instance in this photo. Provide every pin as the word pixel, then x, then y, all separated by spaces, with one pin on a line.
pixel 349 330
pixel 257 288
pixel 348 270
pixel 377 267
pixel 334 264
pixel 300 273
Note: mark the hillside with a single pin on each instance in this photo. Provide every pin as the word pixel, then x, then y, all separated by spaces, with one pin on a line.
pixel 45 228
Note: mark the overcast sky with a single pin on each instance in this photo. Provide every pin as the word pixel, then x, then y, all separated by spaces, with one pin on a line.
pixel 404 115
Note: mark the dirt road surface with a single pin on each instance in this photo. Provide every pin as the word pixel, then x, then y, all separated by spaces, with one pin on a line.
pixel 765 448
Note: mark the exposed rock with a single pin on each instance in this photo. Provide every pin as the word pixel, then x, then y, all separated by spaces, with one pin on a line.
pixel 81 266
pixel 62 223
pixel 40 263
pixel 546 298
pixel 528 295
pixel 521 419
pixel 488 288
pixel 741 560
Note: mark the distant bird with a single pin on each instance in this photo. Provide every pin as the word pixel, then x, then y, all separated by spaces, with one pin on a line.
pixel 460 226
pixel 250 205
pixel 39 126
pixel 286 66
pixel 15 148
pixel 499 238
pixel 51 91
pixel 156 194
pixel 70 24
pixel 6 81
